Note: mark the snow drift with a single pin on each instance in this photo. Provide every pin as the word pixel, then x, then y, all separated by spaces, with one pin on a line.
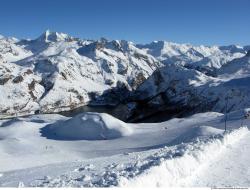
pixel 87 126
pixel 179 170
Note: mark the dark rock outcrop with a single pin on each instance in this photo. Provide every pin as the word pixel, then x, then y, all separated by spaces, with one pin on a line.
pixel 248 53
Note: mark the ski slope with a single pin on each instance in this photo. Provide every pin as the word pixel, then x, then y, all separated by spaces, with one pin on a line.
pixel 185 152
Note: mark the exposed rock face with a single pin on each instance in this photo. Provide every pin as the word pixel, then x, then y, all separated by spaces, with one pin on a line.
pixel 4 79
pixel 248 53
pixel 17 79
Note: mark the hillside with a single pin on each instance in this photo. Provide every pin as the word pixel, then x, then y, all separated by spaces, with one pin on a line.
pixel 58 72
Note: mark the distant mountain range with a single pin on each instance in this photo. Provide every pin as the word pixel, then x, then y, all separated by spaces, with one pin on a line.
pixel 57 72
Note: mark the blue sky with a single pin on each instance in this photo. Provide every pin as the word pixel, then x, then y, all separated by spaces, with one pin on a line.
pixel 208 22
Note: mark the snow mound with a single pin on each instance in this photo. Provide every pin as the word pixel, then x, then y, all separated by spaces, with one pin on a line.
pixel 87 126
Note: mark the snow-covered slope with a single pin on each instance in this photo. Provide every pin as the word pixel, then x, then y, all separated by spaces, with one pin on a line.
pixel 197 56
pixel 172 153
pixel 236 68
pixel 187 91
pixel 10 51
pixel 57 72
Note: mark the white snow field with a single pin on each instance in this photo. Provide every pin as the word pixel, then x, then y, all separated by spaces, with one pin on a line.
pixel 97 150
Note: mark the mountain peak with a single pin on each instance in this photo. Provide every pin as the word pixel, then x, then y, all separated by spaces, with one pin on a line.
pixel 49 36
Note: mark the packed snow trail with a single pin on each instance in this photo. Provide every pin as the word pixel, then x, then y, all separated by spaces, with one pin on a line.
pixel 231 169
pixel 192 161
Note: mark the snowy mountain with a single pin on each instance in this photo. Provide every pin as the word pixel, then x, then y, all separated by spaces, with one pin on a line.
pixel 180 90
pixel 239 67
pixel 57 72
pixel 206 59
pixel 210 56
